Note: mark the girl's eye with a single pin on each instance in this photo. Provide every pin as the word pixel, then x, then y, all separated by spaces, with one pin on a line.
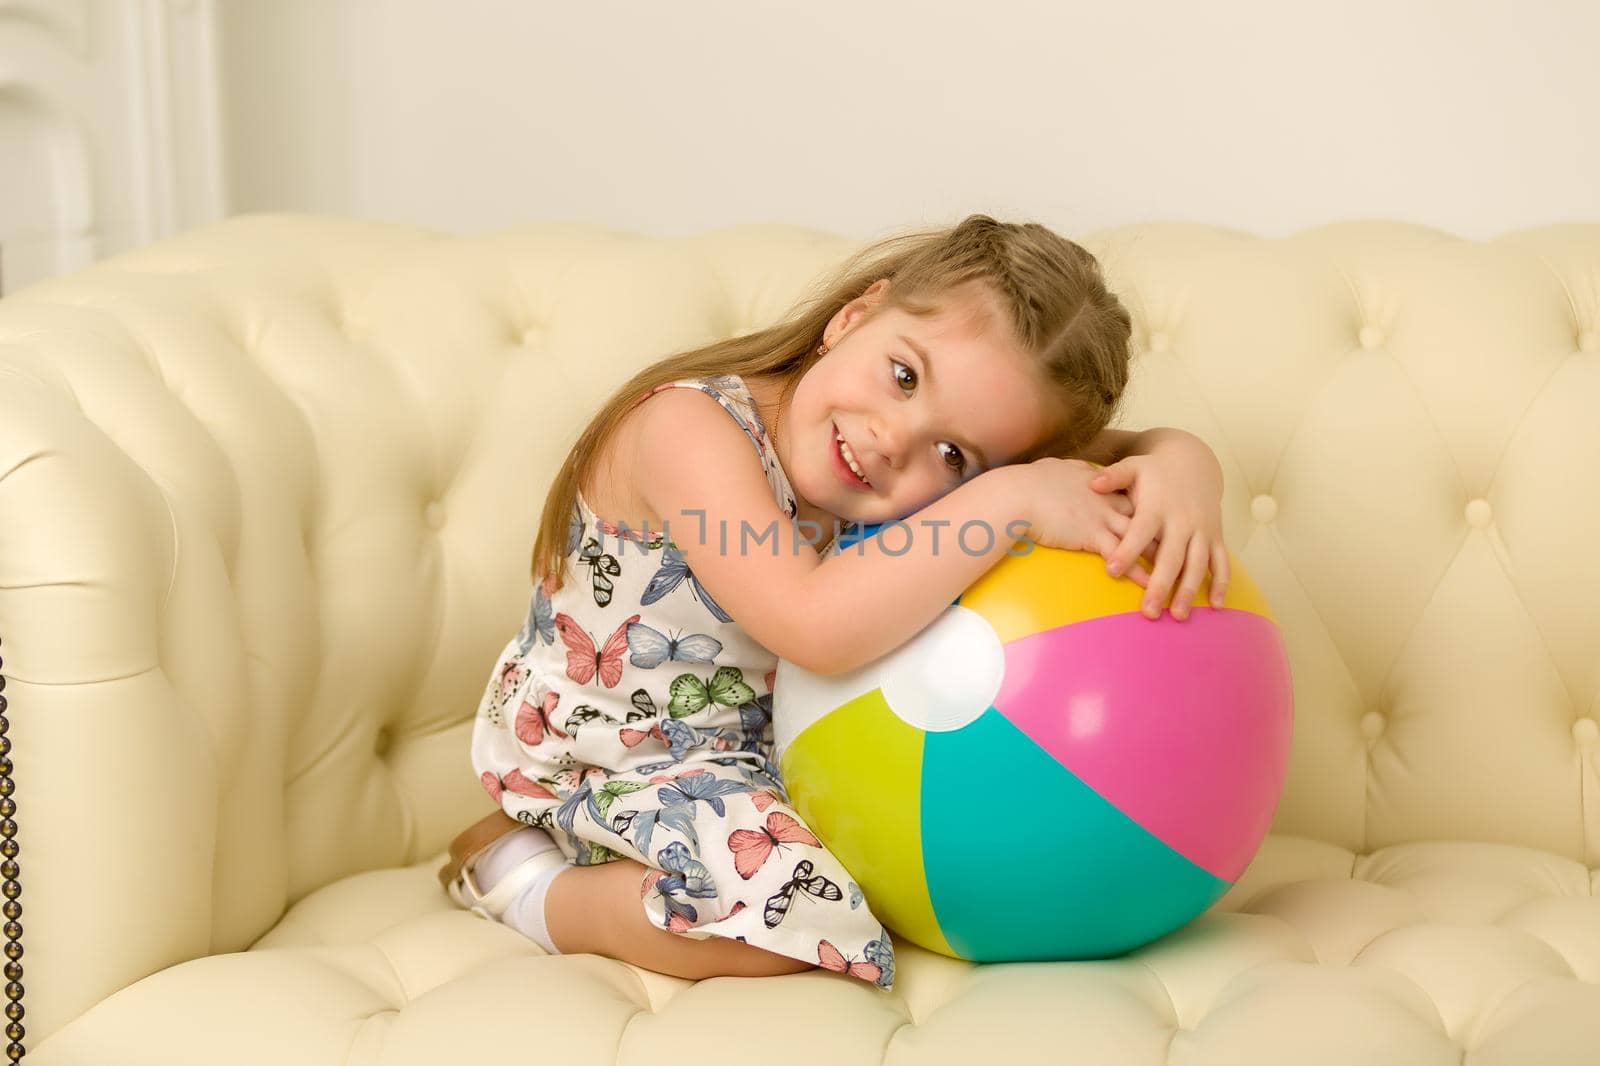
pixel 960 461
pixel 899 366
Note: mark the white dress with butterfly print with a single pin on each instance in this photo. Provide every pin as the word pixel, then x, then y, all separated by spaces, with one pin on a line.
pixel 631 717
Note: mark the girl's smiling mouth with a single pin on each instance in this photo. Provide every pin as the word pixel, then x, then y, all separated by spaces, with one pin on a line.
pixel 842 465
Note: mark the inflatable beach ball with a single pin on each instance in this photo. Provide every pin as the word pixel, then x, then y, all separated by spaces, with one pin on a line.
pixel 1043 772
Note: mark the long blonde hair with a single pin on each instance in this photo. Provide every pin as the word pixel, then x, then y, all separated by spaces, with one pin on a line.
pixel 1060 312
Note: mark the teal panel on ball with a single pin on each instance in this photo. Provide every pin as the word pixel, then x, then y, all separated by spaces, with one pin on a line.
pixel 1026 862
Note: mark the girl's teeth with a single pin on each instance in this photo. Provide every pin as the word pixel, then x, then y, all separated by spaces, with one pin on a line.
pixel 849 458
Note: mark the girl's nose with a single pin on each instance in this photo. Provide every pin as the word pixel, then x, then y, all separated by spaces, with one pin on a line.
pixel 888 436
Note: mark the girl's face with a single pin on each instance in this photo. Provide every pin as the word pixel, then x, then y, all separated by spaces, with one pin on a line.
pixel 923 404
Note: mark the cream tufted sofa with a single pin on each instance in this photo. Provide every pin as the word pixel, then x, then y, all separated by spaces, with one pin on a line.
pixel 267 496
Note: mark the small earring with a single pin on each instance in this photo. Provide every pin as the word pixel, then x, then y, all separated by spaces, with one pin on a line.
pixel 822 349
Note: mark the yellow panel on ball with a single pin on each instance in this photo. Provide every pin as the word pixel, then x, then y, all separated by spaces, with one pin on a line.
pixel 1043 589
pixel 861 769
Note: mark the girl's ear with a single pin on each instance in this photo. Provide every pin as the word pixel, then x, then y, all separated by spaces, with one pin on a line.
pixel 845 318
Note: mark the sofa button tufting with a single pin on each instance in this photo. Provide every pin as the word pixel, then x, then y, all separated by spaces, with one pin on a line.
pixel 1585 730
pixel 433 514
pixel 1264 509
pixel 1589 341
pixel 380 744
pixel 532 337
pixel 1371 337
pixel 350 324
pixel 1372 724
pixel 1479 513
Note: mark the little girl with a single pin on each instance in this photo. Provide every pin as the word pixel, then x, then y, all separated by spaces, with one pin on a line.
pixel 626 730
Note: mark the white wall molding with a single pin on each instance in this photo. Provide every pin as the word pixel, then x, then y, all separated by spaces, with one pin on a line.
pixel 110 131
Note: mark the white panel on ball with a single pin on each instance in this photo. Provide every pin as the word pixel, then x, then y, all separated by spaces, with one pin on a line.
pixel 948 674
pixel 941 679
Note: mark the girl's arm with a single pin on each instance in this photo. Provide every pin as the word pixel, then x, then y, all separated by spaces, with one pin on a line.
pixel 697 471
pixel 873 596
pixel 1113 445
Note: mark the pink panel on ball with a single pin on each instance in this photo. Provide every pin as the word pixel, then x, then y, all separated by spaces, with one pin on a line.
pixel 1183 726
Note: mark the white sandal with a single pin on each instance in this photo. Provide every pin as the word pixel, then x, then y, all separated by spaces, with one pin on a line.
pixel 493 904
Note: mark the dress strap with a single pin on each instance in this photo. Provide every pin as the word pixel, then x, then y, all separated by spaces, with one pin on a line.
pixel 734 396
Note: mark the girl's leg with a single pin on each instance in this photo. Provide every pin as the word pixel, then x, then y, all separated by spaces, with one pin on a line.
pixel 596 910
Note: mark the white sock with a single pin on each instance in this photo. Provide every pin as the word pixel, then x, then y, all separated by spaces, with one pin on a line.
pixel 526 913
pixel 507 853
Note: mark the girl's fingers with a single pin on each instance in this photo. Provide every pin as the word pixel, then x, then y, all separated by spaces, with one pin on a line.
pixel 1194 572
pixel 1219 573
pixel 1169 560
pixel 1138 575
pixel 1113 478
pixel 1127 553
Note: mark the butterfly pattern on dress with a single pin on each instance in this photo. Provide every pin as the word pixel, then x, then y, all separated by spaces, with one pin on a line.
pixel 509 676
pixel 540 626
pixel 514 781
pixel 753 847
pixel 803 884
pixel 676 736
pixel 833 959
pixel 677 810
pixel 624 719
pixel 583 661
pixel 574 529
pixel 603 566
pixel 650 647
pixel 690 694
pixel 533 720
pixel 674 568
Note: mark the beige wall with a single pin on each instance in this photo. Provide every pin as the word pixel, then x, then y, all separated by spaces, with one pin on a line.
pixel 858 117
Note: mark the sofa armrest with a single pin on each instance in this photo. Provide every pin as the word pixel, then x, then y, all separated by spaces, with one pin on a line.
pixel 114 765
pixel 242 644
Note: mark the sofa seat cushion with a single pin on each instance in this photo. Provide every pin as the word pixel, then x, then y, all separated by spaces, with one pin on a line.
pixel 1407 955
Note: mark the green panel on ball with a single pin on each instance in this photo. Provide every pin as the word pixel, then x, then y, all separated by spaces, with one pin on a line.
pixel 1026 862
pixel 855 776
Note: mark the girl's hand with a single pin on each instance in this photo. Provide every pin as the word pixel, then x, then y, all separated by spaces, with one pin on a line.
pixel 1176 491
pixel 1063 511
